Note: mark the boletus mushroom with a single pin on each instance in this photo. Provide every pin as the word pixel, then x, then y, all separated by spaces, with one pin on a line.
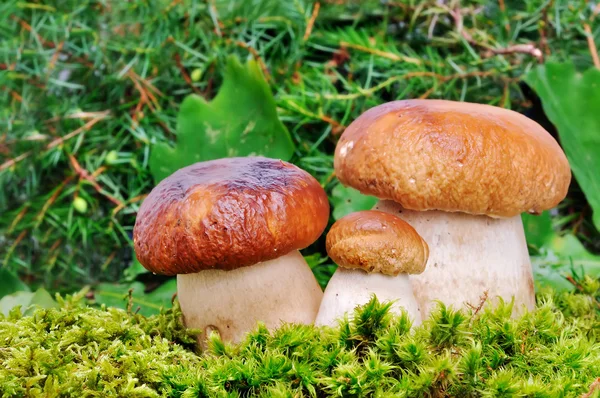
pixel 375 252
pixel 230 229
pixel 461 174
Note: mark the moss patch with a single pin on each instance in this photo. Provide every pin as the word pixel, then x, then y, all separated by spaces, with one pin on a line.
pixel 77 350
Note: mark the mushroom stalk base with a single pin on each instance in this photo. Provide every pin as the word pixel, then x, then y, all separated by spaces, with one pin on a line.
pixel 349 288
pixel 470 255
pixel 232 302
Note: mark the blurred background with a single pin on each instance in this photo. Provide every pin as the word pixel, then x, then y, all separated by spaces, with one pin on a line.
pixel 90 93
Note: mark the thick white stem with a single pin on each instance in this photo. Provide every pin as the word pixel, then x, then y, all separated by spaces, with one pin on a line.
pixel 468 256
pixel 232 302
pixel 349 288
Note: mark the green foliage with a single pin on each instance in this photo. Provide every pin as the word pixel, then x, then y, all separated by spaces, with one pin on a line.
pixel 10 283
pixel 556 257
pixel 134 271
pixel 346 200
pixel 571 100
pixel 76 350
pixel 240 121
pixel 27 301
pixel 322 267
pixel 144 303
pixel 99 85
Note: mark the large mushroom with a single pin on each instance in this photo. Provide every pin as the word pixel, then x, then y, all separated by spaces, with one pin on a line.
pixel 461 174
pixel 375 252
pixel 230 229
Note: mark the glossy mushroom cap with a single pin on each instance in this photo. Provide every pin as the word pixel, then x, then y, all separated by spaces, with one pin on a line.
pixel 375 241
pixel 228 213
pixel 454 157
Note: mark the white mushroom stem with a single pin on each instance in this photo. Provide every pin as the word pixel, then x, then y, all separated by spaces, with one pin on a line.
pixel 469 255
pixel 232 302
pixel 349 288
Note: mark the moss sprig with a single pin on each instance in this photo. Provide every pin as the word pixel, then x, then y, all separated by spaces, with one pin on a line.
pixel 77 350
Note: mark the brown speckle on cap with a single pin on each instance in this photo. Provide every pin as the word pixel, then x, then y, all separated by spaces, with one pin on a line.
pixel 454 157
pixel 375 241
pixel 228 213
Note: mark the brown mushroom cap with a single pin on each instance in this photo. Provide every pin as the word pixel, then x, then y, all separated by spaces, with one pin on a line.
pixel 228 213
pixel 454 157
pixel 375 241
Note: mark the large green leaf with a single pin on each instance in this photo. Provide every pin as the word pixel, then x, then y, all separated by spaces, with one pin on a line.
pixel 28 301
pixel 240 121
pixel 557 257
pixel 572 102
pixel 114 295
pixel 10 283
pixel 346 200
pixel 134 270
pixel 322 267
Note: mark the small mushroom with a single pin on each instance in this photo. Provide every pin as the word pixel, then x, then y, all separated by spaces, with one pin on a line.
pixel 461 174
pixel 375 252
pixel 230 229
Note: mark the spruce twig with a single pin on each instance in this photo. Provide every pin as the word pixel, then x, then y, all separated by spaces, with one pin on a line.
pixel 126 64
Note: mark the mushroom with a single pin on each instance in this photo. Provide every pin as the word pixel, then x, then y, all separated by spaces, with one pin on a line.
pixel 375 252
pixel 231 230
pixel 461 174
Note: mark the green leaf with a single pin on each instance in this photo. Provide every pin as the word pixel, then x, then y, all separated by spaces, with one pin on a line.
pixel 29 301
pixel 240 121
pixel 10 283
pixel 149 303
pixel 538 229
pixel 346 200
pixel 134 270
pixel 557 256
pixel 12 300
pixel 572 102
pixel 43 299
pixel 321 267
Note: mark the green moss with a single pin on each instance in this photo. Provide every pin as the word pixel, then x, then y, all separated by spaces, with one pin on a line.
pixel 77 350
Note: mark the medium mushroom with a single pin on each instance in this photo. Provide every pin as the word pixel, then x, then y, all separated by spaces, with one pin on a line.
pixel 231 230
pixel 375 252
pixel 461 174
